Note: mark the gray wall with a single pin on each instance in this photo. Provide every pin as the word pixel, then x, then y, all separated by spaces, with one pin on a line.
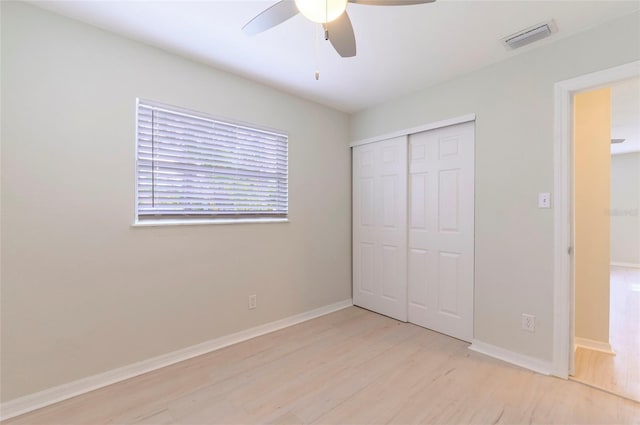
pixel 625 205
pixel 513 101
pixel 82 291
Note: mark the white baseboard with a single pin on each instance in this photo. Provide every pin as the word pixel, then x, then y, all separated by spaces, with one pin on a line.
pixel 512 357
pixel 590 344
pixel 618 264
pixel 53 395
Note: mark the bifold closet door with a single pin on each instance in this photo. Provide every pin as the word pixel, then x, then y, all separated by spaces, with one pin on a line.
pixel 441 230
pixel 380 227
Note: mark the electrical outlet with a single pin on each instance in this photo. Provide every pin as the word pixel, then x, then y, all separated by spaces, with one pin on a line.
pixel 529 322
pixel 253 302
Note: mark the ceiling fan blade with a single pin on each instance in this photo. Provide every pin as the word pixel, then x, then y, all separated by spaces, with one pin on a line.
pixel 274 15
pixel 341 36
pixel 391 2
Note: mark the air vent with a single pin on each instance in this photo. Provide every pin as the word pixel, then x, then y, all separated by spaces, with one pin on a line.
pixel 614 141
pixel 529 35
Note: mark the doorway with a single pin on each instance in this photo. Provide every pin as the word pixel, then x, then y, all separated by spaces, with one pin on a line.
pixel 566 247
pixel 606 151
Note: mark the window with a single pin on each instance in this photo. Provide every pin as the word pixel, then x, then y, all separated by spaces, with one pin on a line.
pixel 191 167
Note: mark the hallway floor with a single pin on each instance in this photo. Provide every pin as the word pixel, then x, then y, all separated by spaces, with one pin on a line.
pixel 619 374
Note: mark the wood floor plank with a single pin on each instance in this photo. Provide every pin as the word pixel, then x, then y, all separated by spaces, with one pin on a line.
pixel 619 374
pixel 159 418
pixel 352 366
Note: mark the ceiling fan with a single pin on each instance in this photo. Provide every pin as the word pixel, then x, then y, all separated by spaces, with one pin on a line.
pixel 331 14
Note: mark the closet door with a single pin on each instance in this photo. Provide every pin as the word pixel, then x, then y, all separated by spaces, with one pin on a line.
pixel 380 227
pixel 441 230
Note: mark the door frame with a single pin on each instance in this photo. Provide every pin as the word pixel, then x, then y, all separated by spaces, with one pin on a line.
pixel 563 220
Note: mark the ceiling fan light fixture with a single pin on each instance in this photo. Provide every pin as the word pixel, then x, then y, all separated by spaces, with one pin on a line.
pixel 321 11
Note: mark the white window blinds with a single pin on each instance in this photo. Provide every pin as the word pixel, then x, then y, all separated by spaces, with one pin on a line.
pixel 193 166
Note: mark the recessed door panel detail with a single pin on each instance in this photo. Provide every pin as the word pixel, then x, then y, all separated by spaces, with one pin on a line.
pixel 366 267
pixel 389 203
pixel 448 193
pixel 448 147
pixel 448 268
pixel 418 188
pixel 390 269
pixel 418 152
pixel 419 269
pixel 366 161
pixel 389 154
pixel 367 206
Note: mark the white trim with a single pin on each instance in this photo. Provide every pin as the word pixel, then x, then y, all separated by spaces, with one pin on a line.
pixel 618 264
pixel 512 357
pixel 49 396
pixel 135 166
pixel 591 344
pixel 562 233
pixel 419 129
pixel 156 223
pixel 562 280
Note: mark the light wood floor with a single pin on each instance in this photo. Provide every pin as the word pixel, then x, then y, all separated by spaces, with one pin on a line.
pixel 620 373
pixel 351 367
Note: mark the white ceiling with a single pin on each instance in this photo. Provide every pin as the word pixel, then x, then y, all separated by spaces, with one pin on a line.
pixel 400 49
pixel 625 116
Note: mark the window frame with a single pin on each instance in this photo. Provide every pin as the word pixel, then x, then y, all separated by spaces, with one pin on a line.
pixel 190 221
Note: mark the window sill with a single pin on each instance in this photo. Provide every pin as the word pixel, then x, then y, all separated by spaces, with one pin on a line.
pixel 157 223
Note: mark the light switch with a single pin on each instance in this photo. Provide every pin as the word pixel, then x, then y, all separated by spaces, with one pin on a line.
pixel 544 200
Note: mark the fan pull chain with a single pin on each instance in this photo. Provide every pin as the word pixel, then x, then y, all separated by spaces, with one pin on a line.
pixel 317 54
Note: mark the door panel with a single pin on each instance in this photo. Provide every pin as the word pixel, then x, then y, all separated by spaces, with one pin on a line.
pixel 441 232
pixel 389 201
pixel 419 269
pixel 448 285
pixel 366 267
pixel 367 208
pixel 390 270
pixel 448 194
pixel 418 184
pixel 380 227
